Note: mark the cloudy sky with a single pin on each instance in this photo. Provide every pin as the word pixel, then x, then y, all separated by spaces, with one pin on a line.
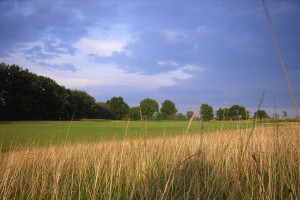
pixel 191 52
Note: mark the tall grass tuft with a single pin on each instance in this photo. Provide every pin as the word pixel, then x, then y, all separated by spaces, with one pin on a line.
pixel 203 166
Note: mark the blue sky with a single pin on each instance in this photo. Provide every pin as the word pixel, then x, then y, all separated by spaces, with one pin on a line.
pixel 191 52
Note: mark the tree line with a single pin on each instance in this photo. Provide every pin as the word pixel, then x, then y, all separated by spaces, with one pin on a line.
pixel 27 96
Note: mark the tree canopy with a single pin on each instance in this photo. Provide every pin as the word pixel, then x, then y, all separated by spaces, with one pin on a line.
pixel 26 96
pixel 148 107
pixel 284 114
pixel 222 114
pixel 168 108
pixel 134 113
pixel 206 112
pixel 189 114
pixel 117 107
pixel 81 104
pixel 101 111
pixel 261 114
pixel 180 117
pixel 238 112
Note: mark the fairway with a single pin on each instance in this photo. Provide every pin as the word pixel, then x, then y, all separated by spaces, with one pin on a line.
pixel 57 133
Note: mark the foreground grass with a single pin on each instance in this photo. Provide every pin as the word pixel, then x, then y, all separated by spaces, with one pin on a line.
pixel 57 133
pixel 236 164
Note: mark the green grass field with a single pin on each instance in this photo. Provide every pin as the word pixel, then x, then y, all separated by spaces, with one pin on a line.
pixel 20 134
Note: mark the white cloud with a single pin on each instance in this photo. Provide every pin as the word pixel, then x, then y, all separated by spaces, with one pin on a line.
pixel 105 74
pixel 98 75
pixel 193 68
pixel 173 36
pixel 100 48
pixel 160 62
pixel 111 75
pixel 168 63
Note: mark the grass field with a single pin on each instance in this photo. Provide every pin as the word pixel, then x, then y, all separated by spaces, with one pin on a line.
pixel 44 133
pixel 232 164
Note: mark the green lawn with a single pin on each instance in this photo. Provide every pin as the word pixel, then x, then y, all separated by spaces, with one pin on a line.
pixel 44 133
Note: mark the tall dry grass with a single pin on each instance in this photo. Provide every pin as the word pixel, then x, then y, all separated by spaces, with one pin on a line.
pixel 207 166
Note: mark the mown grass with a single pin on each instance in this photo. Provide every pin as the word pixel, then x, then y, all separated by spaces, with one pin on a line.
pixel 21 134
pixel 235 164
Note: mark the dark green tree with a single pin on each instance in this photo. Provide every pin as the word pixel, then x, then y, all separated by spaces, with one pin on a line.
pixel 134 113
pixel 168 108
pixel 180 117
pixel 81 104
pixel 52 99
pixel 222 114
pixel 247 114
pixel 101 111
pixel 261 114
pixel 148 108
pixel 238 112
pixel 189 114
pixel 117 107
pixel 17 93
pixel 24 95
pixel 284 114
pixel 206 112
pixel 159 116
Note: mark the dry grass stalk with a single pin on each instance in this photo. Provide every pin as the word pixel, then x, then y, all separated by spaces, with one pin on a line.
pixel 208 166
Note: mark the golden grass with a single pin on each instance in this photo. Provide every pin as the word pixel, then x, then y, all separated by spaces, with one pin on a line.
pixel 208 166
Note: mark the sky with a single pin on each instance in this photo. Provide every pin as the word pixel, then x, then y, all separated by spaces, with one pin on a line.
pixel 190 52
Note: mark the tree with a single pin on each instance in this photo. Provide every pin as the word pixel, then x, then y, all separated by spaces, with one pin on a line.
pixel 284 114
pixel 189 114
pixel 148 108
pixel 261 114
pixel 159 116
pixel 238 112
pixel 222 114
pixel 101 111
pixel 247 114
pixel 168 108
pixel 52 99
pixel 180 117
pixel 16 93
pixel 117 107
pixel 206 112
pixel 134 113
pixel 81 104
pixel 25 96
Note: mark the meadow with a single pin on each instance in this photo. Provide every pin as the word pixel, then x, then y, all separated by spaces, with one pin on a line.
pixel 226 161
pixel 34 133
